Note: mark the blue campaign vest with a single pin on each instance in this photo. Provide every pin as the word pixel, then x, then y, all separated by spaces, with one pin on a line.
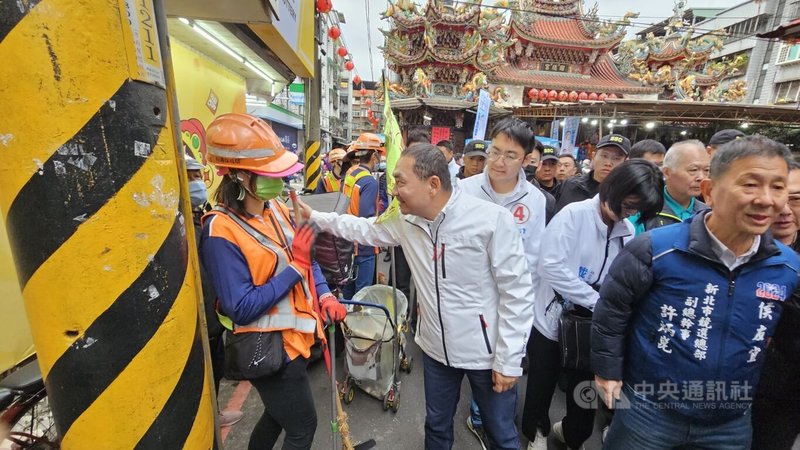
pixel 702 330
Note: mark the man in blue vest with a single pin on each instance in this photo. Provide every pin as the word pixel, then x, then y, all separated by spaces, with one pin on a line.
pixel 687 311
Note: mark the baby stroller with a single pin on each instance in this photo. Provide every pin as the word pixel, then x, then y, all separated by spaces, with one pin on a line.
pixel 374 336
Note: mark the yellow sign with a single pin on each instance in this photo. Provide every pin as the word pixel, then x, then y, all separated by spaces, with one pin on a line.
pixel 291 37
pixel 143 33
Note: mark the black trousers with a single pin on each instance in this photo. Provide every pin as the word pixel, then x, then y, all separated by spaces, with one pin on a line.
pixel 289 406
pixel 543 372
pixel 578 424
pixel 403 273
pixel 776 406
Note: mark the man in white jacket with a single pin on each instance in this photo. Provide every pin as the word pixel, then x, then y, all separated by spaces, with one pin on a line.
pixel 503 183
pixel 474 320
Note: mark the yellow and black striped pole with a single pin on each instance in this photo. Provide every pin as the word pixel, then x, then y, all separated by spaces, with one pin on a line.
pixel 97 216
pixel 313 163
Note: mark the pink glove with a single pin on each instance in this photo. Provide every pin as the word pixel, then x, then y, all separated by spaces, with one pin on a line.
pixel 331 308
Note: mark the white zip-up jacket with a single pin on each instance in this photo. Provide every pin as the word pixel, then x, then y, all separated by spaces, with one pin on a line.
pixel 577 251
pixel 475 311
pixel 527 206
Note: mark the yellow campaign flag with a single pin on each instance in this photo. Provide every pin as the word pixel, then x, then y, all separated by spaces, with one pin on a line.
pixel 394 146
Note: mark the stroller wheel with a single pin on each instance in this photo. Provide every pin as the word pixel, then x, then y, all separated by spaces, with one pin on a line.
pixel 349 394
pixel 396 400
pixel 386 400
pixel 406 364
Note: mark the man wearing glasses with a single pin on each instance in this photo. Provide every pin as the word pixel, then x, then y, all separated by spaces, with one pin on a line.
pixel 503 183
pixel 612 150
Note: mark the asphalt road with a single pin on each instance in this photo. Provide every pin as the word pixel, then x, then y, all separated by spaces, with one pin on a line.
pixel 403 430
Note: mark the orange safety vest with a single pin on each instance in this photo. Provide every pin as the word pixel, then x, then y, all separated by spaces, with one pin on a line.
pixel 267 248
pixel 332 184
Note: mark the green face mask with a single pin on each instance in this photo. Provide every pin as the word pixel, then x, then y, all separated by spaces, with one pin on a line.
pixel 268 188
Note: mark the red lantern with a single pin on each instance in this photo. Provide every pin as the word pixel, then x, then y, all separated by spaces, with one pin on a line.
pixel 562 96
pixel 552 95
pixel 363 92
pixel 593 96
pixel 334 32
pixel 543 95
pixel 573 96
pixel 613 96
pixel 349 66
pixel 368 102
pixel 533 93
pixel 583 96
pixel 324 6
pixel 602 97
pixel 370 114
pixel 357 80
pixel 341 51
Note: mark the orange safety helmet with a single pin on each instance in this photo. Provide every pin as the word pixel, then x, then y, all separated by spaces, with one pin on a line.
pixel 336 155
pixel 366 142
pixel 242 141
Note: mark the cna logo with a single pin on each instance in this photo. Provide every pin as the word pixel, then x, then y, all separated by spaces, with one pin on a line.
pixel 770 291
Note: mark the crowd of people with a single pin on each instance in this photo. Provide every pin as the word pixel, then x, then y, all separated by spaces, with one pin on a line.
pixel 665 281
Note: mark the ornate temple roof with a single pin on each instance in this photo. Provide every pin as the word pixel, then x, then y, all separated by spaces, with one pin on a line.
pixel 563 31
pixel 604 77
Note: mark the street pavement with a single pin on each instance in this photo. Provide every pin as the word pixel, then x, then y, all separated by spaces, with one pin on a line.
pixel 403 430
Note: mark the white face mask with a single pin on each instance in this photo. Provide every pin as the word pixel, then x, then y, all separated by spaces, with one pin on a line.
pixel 198 194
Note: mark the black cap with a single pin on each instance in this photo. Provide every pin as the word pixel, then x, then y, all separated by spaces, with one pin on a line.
pixel 616 140
pixel 549 152
pixel 475 147
pixel 725 136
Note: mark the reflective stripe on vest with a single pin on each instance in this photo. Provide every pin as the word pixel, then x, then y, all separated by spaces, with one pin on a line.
pixel 284 318
pixel 350 181
pixel 332 184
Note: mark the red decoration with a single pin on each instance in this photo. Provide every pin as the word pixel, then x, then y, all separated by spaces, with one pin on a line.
pixel 543 95
pixel 349 66
pixel 562 96
pixel 334 32
pixel 573 96
pixel 583 96
pixel 533 93
pixel 552 95
pixel 324 6
pixel 613 96
pixel 440 134
pixel 593 96
pixel 370 114
pixel 357 80
pixel 368 102
pixel 602 97
pixel 341 51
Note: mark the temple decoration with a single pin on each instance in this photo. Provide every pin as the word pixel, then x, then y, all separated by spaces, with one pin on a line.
pixel 678 64
pixel 443 51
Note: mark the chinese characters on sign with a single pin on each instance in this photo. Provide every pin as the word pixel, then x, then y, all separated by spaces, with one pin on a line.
pixel 554 67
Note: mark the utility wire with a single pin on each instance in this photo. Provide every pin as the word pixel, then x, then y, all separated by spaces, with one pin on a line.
pixel 369 42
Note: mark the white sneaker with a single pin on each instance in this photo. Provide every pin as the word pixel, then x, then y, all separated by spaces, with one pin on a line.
pixel 539 442
pixel 558 434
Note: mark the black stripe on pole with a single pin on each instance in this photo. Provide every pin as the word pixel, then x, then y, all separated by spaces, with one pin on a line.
pixel 84 173
pixel 173 424
pixel 109 344
pixel 12 12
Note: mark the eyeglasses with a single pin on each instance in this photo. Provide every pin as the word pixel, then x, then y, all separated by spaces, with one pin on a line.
pixel 509 158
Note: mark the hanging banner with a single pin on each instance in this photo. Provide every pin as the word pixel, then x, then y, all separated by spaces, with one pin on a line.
pixel 482 118
pixel 440 134
pixel 571 125
pixel 554 129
